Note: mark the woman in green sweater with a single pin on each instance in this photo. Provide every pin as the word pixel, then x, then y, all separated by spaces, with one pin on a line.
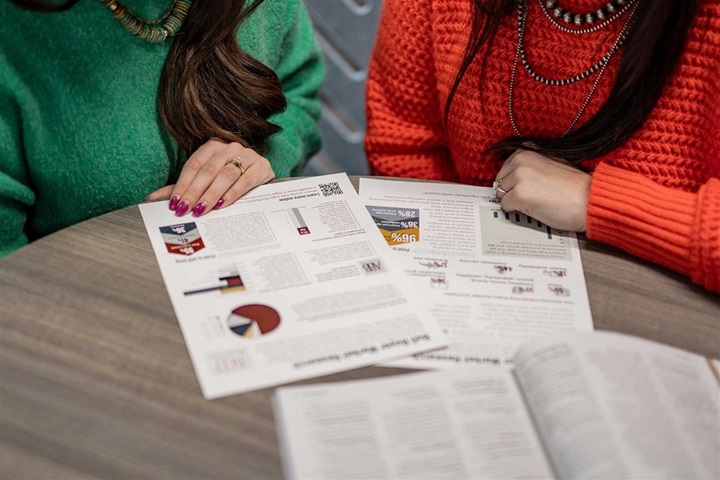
pixel 101 108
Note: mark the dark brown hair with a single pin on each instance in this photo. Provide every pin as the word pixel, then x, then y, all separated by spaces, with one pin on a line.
pixel 210 87
pixel 651 51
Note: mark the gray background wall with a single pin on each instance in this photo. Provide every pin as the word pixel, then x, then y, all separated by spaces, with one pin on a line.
pixel 346 31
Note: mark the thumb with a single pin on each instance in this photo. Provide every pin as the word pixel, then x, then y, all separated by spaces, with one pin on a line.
pixel 160 194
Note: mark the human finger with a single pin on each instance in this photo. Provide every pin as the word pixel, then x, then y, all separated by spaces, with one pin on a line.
pixel 189 171
pixel 500 184
pixel 512 201
pixel 219 165
pixel 232 171
pixel 160 194
pixel 258 172
pixel 523 183
pixel 506 184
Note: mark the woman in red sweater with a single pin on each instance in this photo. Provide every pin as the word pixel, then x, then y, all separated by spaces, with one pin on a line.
pixel 589 116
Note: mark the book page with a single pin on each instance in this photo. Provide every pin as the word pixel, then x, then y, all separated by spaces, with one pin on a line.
pixel 493 280
pixel 290 282
pixel 464 423
pixel 613 406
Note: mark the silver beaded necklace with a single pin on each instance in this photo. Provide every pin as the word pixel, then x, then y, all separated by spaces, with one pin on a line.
pixel 605 15
pixel 600 65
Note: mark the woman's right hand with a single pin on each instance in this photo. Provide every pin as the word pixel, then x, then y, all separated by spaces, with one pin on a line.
pixel 549 190
pixel 216 175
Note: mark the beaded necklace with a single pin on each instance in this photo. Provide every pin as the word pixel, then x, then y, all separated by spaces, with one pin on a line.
pixel 155 31
pixel 596 20
pixel 600 65
pixel 610 9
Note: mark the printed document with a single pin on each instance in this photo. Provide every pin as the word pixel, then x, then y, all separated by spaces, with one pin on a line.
pixel 292 281
pixel 493 280
pixel 585 405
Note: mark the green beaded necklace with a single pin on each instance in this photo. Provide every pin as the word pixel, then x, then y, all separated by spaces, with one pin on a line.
pixel 155 31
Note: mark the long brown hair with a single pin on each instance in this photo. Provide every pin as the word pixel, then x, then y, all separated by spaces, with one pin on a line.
pixel 210 87
pixel 651 51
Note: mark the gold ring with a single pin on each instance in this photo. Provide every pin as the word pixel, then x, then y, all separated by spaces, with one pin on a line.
pixel 238 162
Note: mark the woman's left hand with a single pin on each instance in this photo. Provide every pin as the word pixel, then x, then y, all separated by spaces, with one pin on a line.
pixel 216 175
pixel 548 190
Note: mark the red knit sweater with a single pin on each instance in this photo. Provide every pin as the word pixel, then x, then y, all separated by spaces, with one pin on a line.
pixel 657 196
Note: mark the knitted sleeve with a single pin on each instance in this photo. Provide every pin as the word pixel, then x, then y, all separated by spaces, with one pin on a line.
pixel 677 223
pixel 301 73
pixel 16 196
pixel 405 134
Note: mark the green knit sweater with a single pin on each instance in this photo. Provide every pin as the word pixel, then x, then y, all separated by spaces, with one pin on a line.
pixel 79 128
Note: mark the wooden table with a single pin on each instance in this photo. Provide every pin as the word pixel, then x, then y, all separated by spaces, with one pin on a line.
pixel 95 378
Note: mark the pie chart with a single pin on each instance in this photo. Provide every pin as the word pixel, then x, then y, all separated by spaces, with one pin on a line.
pixel 251 321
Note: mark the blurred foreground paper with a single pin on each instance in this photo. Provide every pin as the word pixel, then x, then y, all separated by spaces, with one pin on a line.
pixel 588 405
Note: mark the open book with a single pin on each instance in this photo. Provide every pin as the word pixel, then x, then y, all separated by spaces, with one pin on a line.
pixel 588 405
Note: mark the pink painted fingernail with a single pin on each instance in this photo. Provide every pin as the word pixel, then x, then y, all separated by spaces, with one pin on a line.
pixel 182 208
pixel 220 202
pixel 199 209
pixel 174 202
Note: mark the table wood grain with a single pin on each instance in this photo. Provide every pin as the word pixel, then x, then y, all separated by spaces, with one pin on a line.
pixel 96 382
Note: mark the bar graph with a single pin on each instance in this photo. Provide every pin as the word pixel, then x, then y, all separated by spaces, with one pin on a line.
pixel 514 234
pixel 522 219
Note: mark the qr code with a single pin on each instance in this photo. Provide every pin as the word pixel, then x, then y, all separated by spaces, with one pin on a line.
pixel 329 189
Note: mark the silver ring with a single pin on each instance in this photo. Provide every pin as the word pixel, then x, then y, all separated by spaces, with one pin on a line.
pixel 497 188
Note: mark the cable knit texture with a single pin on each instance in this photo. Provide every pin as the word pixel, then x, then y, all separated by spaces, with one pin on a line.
pixel 657 196
pixel 79 127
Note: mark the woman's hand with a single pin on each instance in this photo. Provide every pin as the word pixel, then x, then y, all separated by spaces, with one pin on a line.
pixel 547 190
pixel 216 175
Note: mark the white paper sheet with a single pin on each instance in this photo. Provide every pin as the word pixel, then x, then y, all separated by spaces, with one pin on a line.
pixel 466 423
pixel 609 405
pixel 492 280
pixel 292 281
pixel 583 405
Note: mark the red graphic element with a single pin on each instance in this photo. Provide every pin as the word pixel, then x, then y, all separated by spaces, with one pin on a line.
pixel 253 320
pixel 187 249
pixel 182 239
